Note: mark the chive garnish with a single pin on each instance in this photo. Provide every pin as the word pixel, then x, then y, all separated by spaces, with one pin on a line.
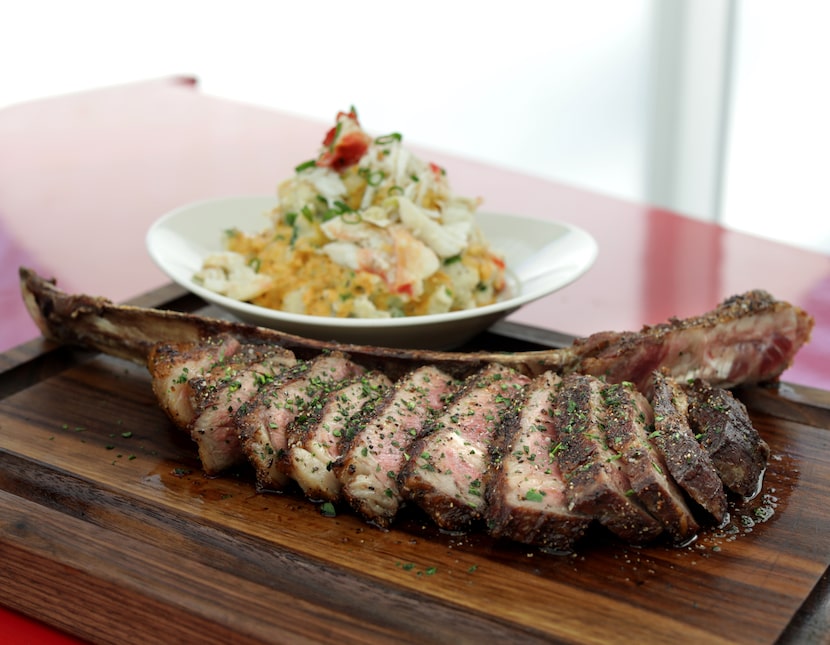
pixel 337 130
pixel 311 163
pixel 389 138
pixel 372 177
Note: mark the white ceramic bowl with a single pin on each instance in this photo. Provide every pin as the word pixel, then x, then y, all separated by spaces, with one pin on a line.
pixel 542 256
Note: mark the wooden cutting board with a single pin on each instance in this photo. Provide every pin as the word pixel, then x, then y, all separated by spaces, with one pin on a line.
pixel 108 530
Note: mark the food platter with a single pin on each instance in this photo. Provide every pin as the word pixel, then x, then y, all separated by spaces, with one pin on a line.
pixel 542 256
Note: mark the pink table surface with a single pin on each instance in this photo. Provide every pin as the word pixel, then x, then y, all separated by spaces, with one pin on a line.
pixel 83 176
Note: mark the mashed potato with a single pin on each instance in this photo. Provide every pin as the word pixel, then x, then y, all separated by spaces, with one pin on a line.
pixel 366 230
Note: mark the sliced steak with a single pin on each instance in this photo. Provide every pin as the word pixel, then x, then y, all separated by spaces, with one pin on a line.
pixel 315 444
pixel 526 498
pixel 688 463
pixel 218 394
pixel 597 485
pixel 263 422
pixel 378 450
pixel 173 365
pixel 628 422
pixel 724 429
pixel 446 474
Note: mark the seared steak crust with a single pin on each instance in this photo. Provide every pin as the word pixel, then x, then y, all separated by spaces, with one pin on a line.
pixel 596 483
pixel 173 365
pixel 687 461
pixel 724 428
pixel 446 473
pixel 263 422
pixel 628 422
pixel 526 499
pixel 218 394
pixel 749 338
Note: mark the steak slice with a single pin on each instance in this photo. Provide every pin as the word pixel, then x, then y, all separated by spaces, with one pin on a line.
pixel 688 463
pixel 315 444
pixel 264 421
pixel 597 485
pixel 380 446
pixel 628 421
pixel 218 394
pixel 724 429
pixel 446 475
pixel 173 365
pixel 526 499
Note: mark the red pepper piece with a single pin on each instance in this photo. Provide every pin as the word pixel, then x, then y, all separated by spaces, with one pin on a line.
pixel 346 152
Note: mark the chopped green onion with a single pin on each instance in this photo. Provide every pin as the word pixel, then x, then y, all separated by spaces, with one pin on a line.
pixel 389 138
pixel 337 130
pixel 311 163
pixel 338 208
pixel 396 190
pixel 372 177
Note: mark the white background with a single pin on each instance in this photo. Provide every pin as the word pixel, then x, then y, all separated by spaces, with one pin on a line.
pixel 716 109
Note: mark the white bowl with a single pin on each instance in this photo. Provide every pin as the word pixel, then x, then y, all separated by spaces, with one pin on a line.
pixel 542 256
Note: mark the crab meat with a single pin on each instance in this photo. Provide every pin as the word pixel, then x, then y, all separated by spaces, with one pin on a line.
pixel 229 274
pixel 446 240
pixel 414 261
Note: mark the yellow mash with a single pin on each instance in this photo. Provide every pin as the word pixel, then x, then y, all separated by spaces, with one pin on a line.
pixel 364 230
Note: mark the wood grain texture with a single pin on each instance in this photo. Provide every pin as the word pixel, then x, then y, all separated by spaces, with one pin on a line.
pixel 109 530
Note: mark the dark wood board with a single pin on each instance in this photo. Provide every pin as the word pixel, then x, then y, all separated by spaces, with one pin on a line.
pixel 108 530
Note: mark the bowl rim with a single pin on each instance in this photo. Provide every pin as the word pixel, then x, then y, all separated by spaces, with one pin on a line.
pixel 588 253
